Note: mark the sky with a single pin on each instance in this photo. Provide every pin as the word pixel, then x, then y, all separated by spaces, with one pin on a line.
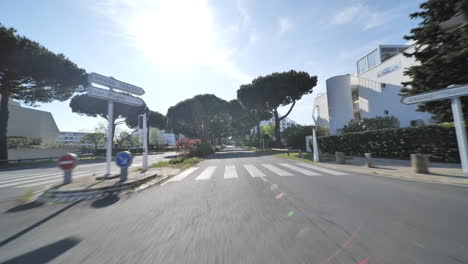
pixel 177 49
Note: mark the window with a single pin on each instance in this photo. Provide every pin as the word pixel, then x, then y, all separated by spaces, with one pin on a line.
pixel 382 85
pixel 373 59
pixel 386 56
pixel 388 49
pixel 362 65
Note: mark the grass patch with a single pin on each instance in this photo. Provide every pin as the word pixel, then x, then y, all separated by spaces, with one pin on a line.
pixel 179 163
pixel 308 157
pixel 27 196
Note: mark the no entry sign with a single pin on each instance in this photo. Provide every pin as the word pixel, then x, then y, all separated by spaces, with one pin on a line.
pixel 67 161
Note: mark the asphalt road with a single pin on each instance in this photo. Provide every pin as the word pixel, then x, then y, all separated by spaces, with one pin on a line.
pixel 15 181
pixel 225 211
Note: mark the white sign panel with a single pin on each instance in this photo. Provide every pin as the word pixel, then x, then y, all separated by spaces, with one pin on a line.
pixel 114 96
pixel 437 95
pixel 114 84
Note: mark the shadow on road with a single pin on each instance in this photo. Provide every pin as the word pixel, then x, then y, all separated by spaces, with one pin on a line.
pixel 106 201
pixel 30 228
pixel 23 207
pixel 46 253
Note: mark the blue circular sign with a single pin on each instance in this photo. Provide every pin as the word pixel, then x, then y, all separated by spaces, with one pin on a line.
pixel 124 159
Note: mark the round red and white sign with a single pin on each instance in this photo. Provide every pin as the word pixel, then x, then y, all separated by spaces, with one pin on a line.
pixel 68 161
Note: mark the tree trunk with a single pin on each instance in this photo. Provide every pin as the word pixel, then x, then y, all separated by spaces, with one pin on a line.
pixel 259 139
pixel 277 128
pixel 4 114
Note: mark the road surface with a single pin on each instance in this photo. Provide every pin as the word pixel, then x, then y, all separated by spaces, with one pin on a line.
pixel 14 182
pixel 242 207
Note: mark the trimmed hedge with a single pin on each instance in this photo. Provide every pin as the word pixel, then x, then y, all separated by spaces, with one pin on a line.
pixel 437 141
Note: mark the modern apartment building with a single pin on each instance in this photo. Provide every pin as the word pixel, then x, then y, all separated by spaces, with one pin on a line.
pixel 373 91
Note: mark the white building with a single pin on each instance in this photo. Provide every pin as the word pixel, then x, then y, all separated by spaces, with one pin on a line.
pixel 32 123
pixel 373 91
pixel 72 138
pixel 285 123
pixel 162 137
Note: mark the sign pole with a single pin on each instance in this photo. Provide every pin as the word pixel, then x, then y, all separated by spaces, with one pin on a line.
pixel 145 144
pixel 314 143
pixel 110 113
pixel 461 133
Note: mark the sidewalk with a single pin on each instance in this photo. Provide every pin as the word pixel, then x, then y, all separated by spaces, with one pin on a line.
pixel 448 173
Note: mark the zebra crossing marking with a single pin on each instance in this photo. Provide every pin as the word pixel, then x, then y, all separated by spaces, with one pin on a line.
pixel 230 172
pixel 277 170
pixel 182 175
pixel 333 172
pixel 207 173
pixel 253 171
pixel 301 170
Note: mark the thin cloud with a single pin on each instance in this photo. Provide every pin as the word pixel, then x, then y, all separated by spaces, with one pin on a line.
pixel 362 15
pixel 284 25
pixel 178 34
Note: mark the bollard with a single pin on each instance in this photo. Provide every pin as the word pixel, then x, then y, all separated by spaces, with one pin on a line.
pixel 67 176
pixel 124 160
pixel 123 174
pixel 368 159
pixel 340 157
pixel 420 163
pixel 67 162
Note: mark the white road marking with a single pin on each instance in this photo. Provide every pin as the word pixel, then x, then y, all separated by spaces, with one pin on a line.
pixel 41 177
pixel 39 183
pixel 230 172
pixel 333 172
pixel 277 170
pixel 27 174
pixel 182 175
pixel 14 178
pixel 206 174
pixel 28 181
pixel 301 170
pixel 39 180
pixel 253 171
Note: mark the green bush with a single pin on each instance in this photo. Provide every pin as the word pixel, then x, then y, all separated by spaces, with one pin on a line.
pixel 437 141
pixel 201 150
pixel 23 142
pixel 176 160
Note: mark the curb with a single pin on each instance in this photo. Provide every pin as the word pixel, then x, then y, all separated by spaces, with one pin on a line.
pixel 375 173
pixel 53 196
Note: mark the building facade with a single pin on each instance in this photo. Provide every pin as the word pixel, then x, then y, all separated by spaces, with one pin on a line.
pixel 373 91
pixel 32 123
pixel 73 138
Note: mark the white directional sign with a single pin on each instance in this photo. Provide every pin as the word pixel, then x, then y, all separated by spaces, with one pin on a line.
pixel 114 96
pixel 114 84
pixel 447 93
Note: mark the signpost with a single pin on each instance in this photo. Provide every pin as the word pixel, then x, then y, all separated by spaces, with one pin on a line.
pixel 123 160
pixel 144 132
pixel 115 84
pixel 67 162
pixel 453 93
pixel 112 97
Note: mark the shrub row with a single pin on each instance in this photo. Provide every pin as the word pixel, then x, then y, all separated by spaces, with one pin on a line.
pixel 437 141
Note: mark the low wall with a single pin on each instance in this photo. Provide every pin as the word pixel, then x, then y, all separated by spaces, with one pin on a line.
pixel 37 153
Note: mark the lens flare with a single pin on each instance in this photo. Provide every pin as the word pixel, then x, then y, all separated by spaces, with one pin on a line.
pixel 291 213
